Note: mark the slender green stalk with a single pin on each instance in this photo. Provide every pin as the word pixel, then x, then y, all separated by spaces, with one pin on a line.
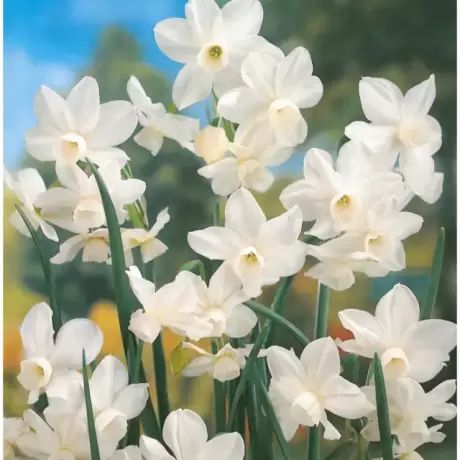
pixel 219 400
pixel 322 309
pixel 195 266
pixel 279 320
pixel 270 412
pixel 159 365
pixel 253 419
pixel 89 412
pixel 386 442
pixel 47 272
pixel 435 276
pixel 148 416
pixel 123 300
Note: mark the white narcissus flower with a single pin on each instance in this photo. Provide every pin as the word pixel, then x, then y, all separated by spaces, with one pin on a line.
pixel 259 251
pixel 406 346
pixel 95 246
pixel 186 435
pixel 302 390
pixel 150 246
pixel 114 401
pixel 386 228
pixel 157 123
pixel 340 258
pixel 13 430
pixel 77 206
pixel 46 359
pixel 79 127
pixel 62 437
pixel 275 90
pixel 212 43
pixel 337 199
pixel 247 167
pixel 27 186
pixel 410 407
pixel 173 306
pixel 225 365
pixel 221 304
pixel 401 124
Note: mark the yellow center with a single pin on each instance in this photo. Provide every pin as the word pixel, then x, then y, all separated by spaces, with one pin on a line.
pixel 344 201
pixel 39 372
pixel 215 52
pixel 375 240
pixel 251 258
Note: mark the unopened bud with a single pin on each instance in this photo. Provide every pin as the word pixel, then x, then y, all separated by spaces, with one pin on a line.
pixel 211 144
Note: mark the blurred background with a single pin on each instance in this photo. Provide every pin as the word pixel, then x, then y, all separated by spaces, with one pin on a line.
pixel 56 42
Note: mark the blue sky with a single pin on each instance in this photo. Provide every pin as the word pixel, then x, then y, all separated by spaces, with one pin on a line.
pixel 49 41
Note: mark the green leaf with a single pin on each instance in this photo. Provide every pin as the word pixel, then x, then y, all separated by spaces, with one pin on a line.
pixel 89 412
pixel 161 382
pixel 386 442
pixel 122 296
pixel 195 266
pixel 219 399
pixel 435 276
pixel 279 320
pixel 270 412
pixel 47 272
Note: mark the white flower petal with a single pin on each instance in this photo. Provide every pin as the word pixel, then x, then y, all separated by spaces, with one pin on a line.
pixel 241 105
pixel 240 322
pixel 117 122
pixel 227 446
pixel 243 215
pixel 69 249
pixel 320 360
pixel 379 139
pixel 37 331
pixel 72 338
pixel 144 326
pixel 417 169
pixel 381 100
pixel 283 363
pixel 202 15
pixel 419 99
pixel 143 289
pixel 192 84
pixel 131 400
pixel 185 434
pixel 242 18
pixel 215 243
pixel 153 450
pixel 175 38
pixel 83 101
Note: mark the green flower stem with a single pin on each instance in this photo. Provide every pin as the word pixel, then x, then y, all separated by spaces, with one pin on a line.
pixel 159 366
pixel 322 309
pixel 219 399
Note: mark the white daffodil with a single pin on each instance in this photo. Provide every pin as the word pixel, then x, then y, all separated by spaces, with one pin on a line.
pixel 340 258
pixel 128 453
pixel 407 346
pixel 186 435
pixel 13 430
pixel 247 167
pixel 114 401
pixel 302 390
pixel 157 123
pixel 150 246
pixel 225 365
pixel 387 227
pixel 221 304
pixel 406 448
pixel 77 206
pixel 27 186
pixel 95 247
pixel 173 306
pixel 275 90
pixel 79 127
pixel 62 437
pixel 410 407
pixel 212 43
pixel 259 251
pixel 338 199
pixel 211 144
pixel 46 359
pixel 401 124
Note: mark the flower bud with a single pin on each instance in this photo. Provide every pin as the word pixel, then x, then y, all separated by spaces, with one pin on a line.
pixel 211 144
